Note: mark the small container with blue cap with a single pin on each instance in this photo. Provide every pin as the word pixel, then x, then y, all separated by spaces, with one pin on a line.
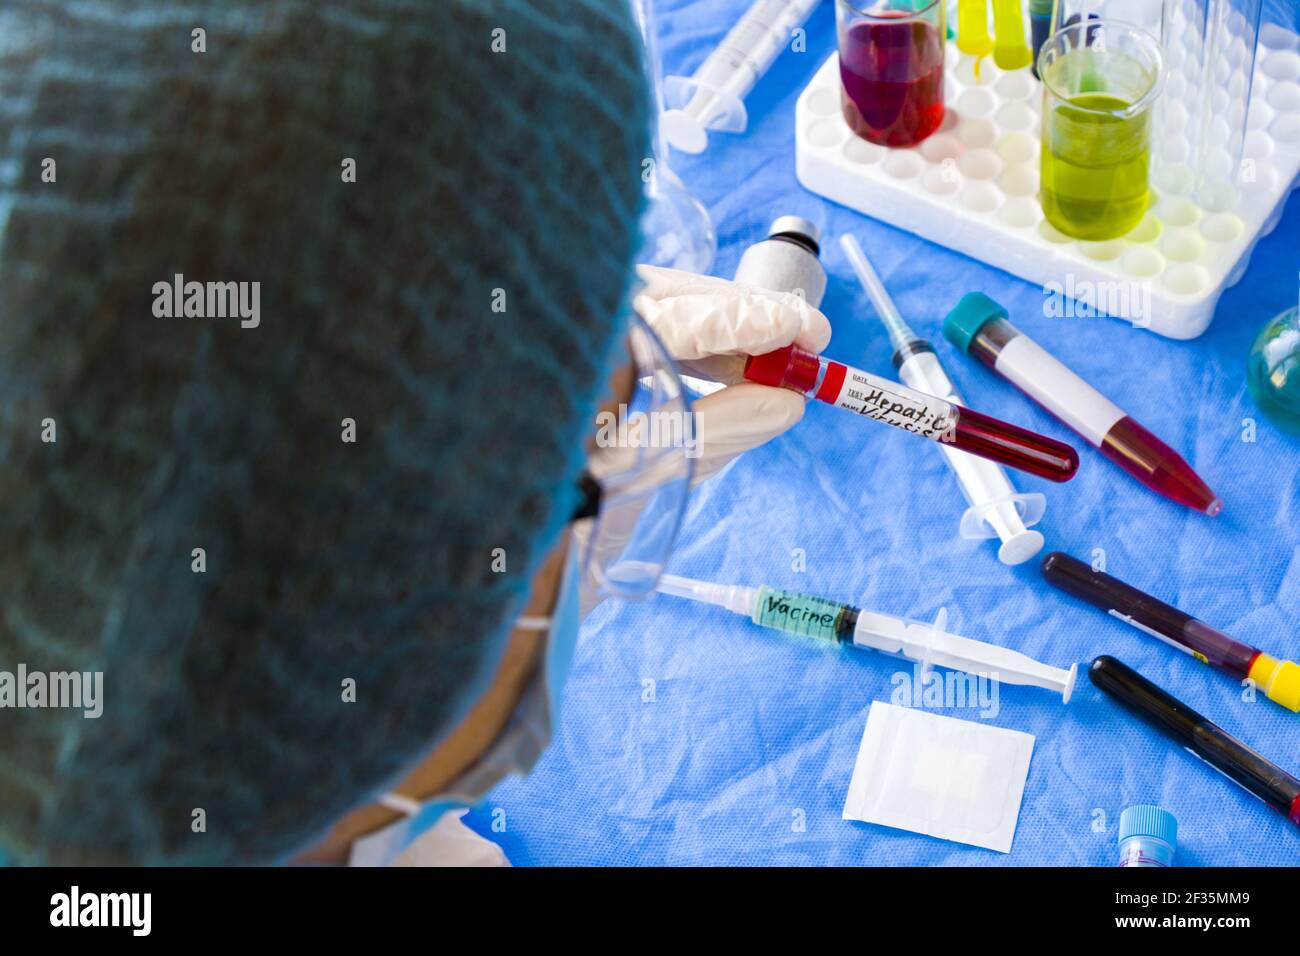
pixel 1147 836
pixel 979 326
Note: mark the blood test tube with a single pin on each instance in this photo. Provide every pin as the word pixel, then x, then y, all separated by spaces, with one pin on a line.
pixel 1278 679
pixel 979 325
pixel 1199 736
pixel 894 404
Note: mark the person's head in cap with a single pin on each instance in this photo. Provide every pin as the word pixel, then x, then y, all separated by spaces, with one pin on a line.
pixel 293 537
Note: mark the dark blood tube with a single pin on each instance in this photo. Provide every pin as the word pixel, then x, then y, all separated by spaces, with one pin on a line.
pixel 1201 736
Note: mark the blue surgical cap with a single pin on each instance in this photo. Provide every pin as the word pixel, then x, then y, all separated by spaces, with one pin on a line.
pixel 438 202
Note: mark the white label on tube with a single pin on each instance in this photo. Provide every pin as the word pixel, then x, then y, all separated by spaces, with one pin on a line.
pixel 886 401
pixel 1228 776
pixel 1035 371
pixel 1154 633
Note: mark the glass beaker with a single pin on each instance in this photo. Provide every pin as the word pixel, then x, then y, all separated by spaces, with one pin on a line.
pixel 1209 46
pixel 676 229
pixel 891 68
pixel 1273 371
pixel 1100 82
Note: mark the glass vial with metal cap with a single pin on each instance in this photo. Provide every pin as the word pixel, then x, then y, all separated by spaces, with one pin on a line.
pixel 1147 836
pixel 786 261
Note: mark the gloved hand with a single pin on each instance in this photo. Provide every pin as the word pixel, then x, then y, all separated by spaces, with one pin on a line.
pixel 709 326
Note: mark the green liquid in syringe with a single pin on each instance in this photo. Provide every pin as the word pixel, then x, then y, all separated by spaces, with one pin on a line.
pixel 1095 165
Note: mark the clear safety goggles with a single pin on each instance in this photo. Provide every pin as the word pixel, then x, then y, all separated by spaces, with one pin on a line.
pixel 637 478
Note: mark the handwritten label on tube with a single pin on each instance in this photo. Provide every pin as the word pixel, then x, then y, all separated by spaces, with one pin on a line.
pixel 886 401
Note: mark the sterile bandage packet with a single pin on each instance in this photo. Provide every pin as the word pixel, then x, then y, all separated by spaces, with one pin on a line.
pixel 953 779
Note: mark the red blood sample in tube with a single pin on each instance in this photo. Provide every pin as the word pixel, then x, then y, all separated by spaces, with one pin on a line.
pixel 979 325
pixel 1159 467
pixel 894 404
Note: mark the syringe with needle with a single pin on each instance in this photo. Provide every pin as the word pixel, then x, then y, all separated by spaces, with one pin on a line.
pixel 996 508
pixel 928 646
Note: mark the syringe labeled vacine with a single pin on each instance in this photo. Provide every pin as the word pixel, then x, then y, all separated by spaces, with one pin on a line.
pixel 795 613
pixel 885 401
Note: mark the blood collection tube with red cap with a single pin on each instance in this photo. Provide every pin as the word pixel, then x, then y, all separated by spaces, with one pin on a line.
pixel 885 401
pixel 979 325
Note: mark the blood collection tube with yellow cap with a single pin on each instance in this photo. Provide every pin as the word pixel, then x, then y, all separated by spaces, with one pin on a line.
pixel 1278 679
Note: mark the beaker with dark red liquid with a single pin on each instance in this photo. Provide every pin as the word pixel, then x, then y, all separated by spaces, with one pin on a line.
pixel 891 68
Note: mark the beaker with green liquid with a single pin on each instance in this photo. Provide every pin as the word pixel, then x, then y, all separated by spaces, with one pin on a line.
pixel 1100 82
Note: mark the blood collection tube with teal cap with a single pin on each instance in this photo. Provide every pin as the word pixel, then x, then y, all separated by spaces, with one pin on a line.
pixel 880 399
pixel 979 325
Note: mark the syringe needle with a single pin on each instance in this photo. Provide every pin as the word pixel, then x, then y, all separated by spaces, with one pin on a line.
pixel 899 332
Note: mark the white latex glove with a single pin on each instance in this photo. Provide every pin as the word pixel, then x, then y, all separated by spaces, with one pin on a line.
pixel 710 326
pixel 450 843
